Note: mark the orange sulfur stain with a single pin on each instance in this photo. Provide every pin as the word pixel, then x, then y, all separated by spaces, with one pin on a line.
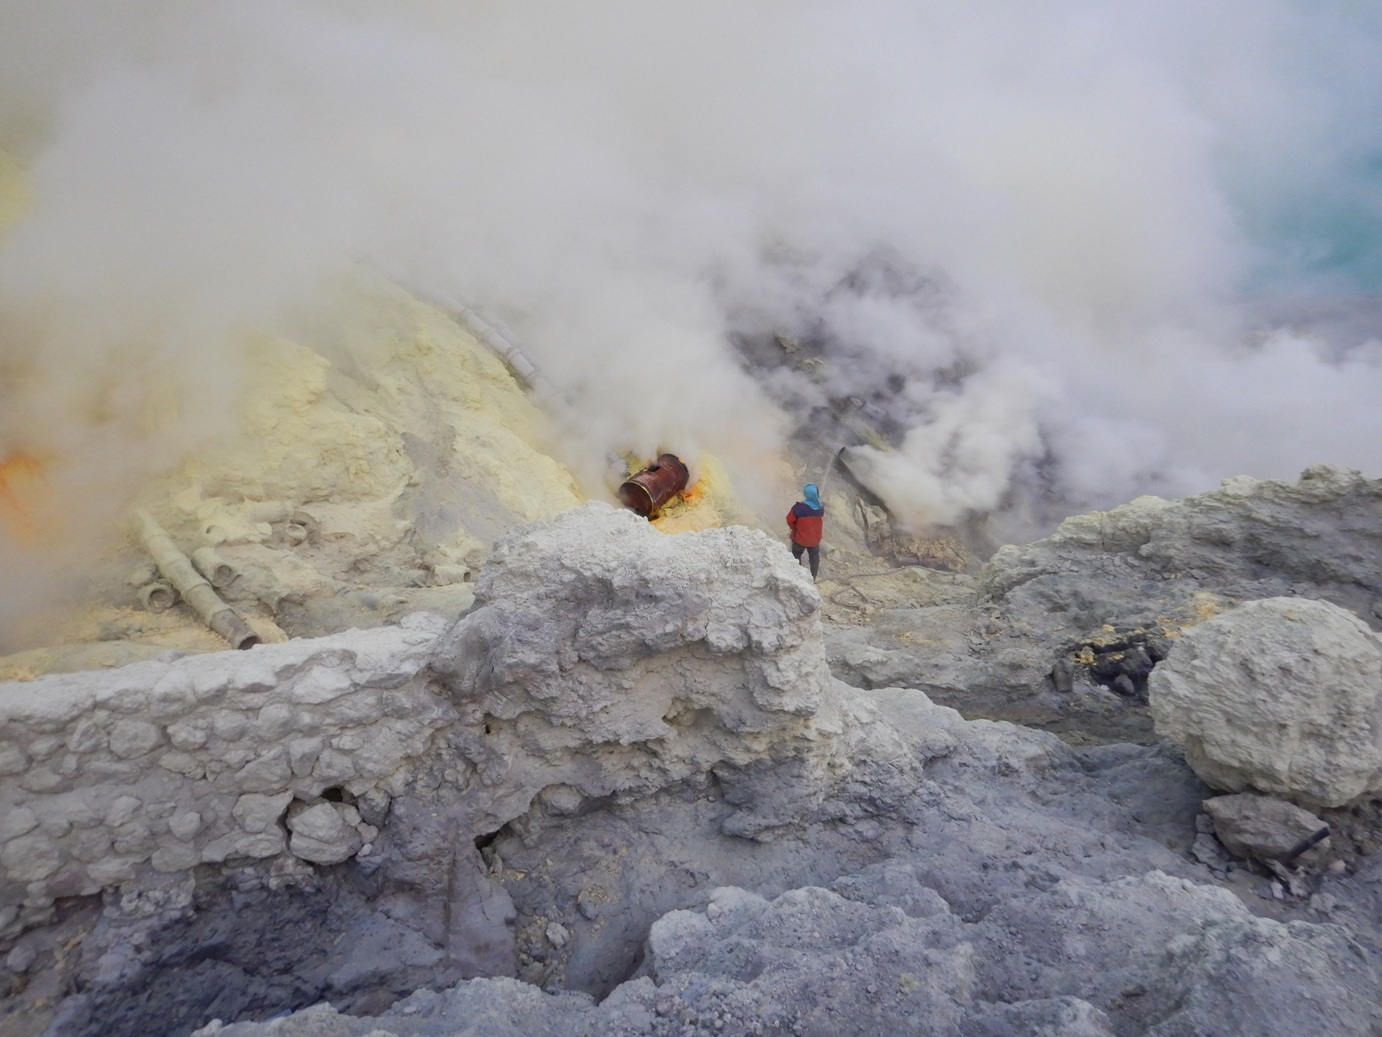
pixel 21 485
pixel 691 510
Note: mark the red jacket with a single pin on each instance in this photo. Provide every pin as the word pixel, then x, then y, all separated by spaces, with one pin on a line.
pixel 806 522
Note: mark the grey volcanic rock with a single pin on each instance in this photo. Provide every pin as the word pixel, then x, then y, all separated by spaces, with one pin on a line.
pixel 973 812
pixel 1250 539
pixel 603 660
pixel 1053 625
pixel 1151 955
pixel 323 835
pixel 1261 826
pixel 166 765
pixel 668 653
pixel 632 778
pixel 1282 695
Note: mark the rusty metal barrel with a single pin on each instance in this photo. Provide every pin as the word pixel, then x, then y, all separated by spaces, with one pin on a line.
pixel 653 487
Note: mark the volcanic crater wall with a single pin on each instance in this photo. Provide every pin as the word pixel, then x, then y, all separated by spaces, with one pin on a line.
pixel 601 659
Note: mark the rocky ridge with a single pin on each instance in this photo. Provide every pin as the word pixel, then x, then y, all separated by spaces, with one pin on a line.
pixel 1063 633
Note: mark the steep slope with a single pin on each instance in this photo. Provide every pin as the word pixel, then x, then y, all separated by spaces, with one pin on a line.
pixel 365 477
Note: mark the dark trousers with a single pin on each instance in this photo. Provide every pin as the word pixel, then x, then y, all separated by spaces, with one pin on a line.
pixel 813 555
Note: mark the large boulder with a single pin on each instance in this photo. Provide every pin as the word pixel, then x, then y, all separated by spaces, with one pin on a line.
pixel 1279 695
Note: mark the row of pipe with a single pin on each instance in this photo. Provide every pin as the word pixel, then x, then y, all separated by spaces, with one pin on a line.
pixel 180 575
pixel 500 341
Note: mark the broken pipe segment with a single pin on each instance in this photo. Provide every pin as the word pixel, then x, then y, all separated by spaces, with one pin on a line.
pixel 195 590
pixel 653 487
pixel 220 573
pixel 1310 840
pixel 157 597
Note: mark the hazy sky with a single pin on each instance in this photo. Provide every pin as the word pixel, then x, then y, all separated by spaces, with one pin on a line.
pixel 1101 188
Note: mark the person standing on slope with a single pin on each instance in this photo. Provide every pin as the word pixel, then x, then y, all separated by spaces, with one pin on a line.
pixel 806 521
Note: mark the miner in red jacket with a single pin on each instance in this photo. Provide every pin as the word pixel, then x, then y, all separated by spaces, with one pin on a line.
pixel 805 522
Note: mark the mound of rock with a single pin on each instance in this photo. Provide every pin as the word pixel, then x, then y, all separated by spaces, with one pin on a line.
pixel 1282 695
pixel 363 476
pixel 1250 539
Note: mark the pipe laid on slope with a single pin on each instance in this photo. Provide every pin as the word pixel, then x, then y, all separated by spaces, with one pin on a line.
pixel 193 587
pixel 498 339
pixel 500 344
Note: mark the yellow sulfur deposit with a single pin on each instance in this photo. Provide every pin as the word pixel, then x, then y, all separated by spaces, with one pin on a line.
pixel 361 471
pixel 403 409
pixel 708 503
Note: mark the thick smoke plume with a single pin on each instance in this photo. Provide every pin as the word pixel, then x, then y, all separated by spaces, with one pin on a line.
pixel 1079 207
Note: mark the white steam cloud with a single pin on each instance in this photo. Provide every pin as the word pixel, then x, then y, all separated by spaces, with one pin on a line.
pixel 1077 195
